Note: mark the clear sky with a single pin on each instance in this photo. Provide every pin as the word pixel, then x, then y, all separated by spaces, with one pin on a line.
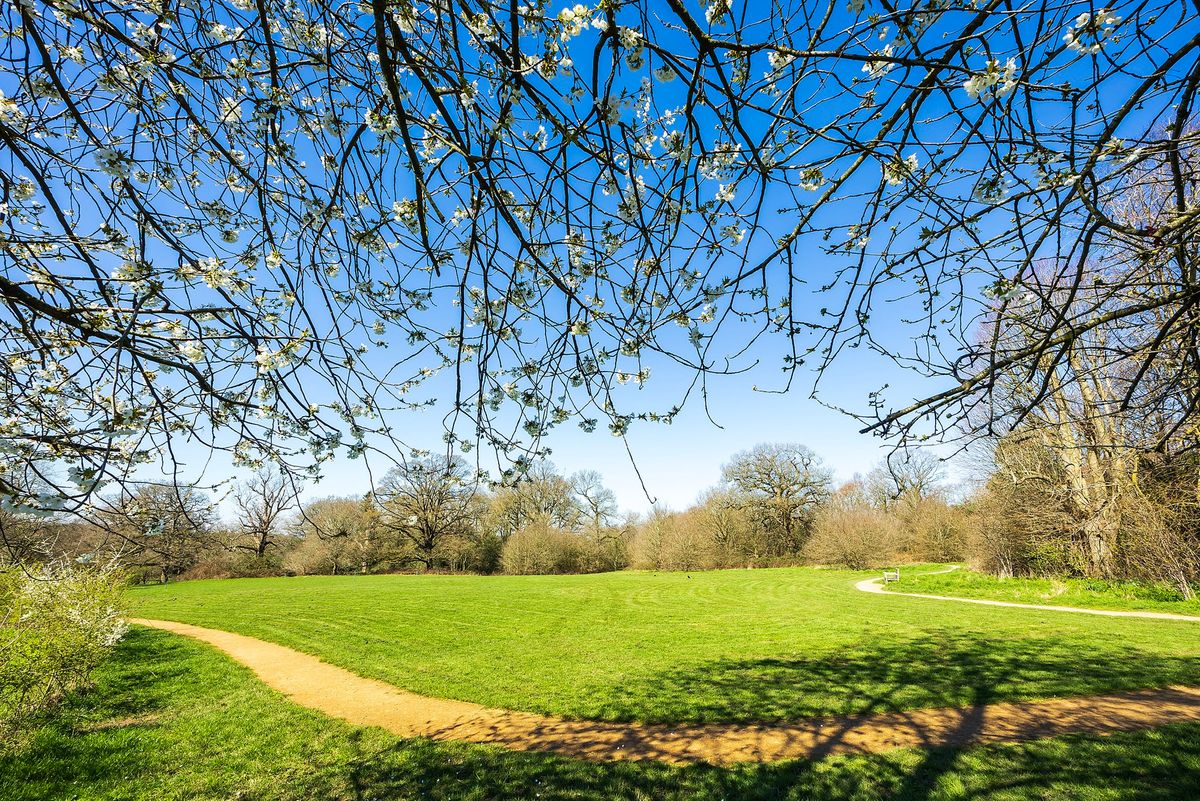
pixel 680 460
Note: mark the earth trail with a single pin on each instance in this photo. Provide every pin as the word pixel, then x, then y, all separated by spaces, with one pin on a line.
pixel 337 692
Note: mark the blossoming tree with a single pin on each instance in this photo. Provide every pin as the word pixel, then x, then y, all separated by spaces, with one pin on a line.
pixel 269 225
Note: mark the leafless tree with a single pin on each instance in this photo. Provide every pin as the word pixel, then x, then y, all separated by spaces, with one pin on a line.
pixel 157 527
pixel 783 485
pixel 907 477
pixel 427 502
pixel 339 535
pixel 263 502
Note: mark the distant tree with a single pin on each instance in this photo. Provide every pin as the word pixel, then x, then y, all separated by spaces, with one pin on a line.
pixel 339 535
pixel 783 485
pixel 427 502
pixel 597 502
pixel 159 527
pixel 906 477
pixel 540 494
pixel 24 538
pixel 852 531
pixel 263 502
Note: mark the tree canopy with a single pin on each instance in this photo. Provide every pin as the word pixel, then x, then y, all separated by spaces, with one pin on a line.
pixel 272 225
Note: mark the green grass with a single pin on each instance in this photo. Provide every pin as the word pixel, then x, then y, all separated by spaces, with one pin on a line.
pixel 1089 593
pixel 732 645
pixel 171 719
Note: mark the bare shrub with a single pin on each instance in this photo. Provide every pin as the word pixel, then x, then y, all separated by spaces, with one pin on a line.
pixel 671 541
pixel 850 531
pixel 539 548
pixel 933 531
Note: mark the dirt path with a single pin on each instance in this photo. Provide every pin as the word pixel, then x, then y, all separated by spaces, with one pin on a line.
pixel 874 585
pixel 318 685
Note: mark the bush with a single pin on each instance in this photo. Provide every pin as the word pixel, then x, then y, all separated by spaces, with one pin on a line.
pixel 857 537
pixel 539 549
pixel 56 626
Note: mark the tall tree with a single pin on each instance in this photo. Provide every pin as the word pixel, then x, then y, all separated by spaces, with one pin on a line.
pixel 263 502
pixel 783 485
pixel 427 502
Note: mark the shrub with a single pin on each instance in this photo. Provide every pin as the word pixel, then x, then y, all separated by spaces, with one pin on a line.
pixel 857 538
pixel 56 625
pixel 539 549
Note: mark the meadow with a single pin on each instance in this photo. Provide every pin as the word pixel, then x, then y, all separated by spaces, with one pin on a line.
pixel 730 646
pixel 1129 596
pixel 171 718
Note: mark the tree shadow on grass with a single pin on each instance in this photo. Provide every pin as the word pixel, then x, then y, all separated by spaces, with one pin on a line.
pixel 942 669
pixel 1157 766
pixel 157 673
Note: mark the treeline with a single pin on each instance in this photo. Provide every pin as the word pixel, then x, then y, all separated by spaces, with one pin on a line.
pixel 1044 510
pixel 776 504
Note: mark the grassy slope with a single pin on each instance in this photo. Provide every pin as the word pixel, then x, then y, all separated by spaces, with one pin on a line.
pixel 1129 596
pixel 719 646
pixel 173 719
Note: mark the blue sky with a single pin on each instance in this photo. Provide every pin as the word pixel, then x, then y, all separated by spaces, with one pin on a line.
pixel 681 460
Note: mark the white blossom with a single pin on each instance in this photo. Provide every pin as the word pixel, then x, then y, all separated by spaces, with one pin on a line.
pixel 112 162
pixel 717 10
pixel 1090 31
pixel 191 350
pixel 994 81
pixel 10 113
pixel 897 171
pixel 878 67
pixel 573 20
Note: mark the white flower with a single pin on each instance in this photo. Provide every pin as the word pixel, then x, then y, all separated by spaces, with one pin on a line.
pixel 812 179
pixel 406 17
pixel 994 81
pixel 895 172
pixel 273 259
pixel 573 20
pixel 726 193
pixel 856 6
pixel 779 60
pixel 268 360
pixel 579 328
pixel 191 350
pixel 664 74
pixel 1090 31
pixel 877 68
pixel 380 124
pixel 23 190
pixel 229 109
pixel 112 162
pixel 222 33
pixel 717 10
pixel 10 113
pixel 734 233
pixel 609 110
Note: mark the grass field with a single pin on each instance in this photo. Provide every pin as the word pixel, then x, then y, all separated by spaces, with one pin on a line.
pixel 173 718
pixel 1096 594
pixel 759 645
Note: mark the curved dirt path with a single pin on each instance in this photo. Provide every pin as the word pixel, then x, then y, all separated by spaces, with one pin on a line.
pixel 874 585
pixel 337 692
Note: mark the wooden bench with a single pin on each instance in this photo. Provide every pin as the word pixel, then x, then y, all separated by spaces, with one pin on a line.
pixel 891 575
